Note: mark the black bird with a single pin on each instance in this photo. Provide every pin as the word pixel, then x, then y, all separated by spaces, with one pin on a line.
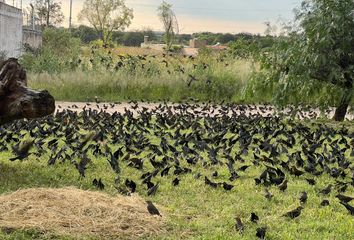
pixel 131 185
pixel 283 186
pixel 344 198
pixel 98 183
pixel 254 217
pixel 113 161
pixel 175 182
pixel 324 203
pixel 348 207
pixel 239 225
pixel 227 187
pixel 303 197
pixel 81 166
pixel 152 209
pixel 210 183
pixel 296 172
pixel 326 190
pixel 293 213
pixel 261 232
pixel 268 195
pixel 22 150
pixel 311 181
pixel 243 168
pixel 153 189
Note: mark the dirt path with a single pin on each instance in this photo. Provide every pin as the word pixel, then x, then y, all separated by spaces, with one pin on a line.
pixel 120 108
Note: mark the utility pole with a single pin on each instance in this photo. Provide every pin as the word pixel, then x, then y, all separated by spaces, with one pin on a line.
pixel 71 9
pixel 48 12
pixel 32 16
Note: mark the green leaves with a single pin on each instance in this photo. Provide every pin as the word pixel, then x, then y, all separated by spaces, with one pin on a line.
pixel 315 57
pixel 106 16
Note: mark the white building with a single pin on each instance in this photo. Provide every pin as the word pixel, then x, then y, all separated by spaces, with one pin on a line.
pixel 10 30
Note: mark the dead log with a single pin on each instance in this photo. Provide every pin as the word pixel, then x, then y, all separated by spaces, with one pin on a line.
pixel 17 101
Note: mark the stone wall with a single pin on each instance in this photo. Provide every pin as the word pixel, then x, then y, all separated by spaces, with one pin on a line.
pixel 197 43
pixel 32 38
pixel 10 30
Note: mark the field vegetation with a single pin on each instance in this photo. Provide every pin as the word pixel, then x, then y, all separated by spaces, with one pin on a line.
pixel 121 77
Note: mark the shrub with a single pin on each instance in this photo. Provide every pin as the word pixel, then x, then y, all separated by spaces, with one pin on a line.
pixel 60 52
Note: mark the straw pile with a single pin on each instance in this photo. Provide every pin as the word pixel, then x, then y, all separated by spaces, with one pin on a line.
pixel 78 212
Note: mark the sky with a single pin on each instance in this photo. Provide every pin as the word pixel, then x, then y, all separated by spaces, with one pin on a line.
pixel 233 16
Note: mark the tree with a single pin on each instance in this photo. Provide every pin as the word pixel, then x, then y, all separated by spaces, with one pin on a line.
pixel 169 20
pixel 18 101
pixel 134 38
pixel 314 58
pixel 85 33
pixel 106 16
pixel 48 12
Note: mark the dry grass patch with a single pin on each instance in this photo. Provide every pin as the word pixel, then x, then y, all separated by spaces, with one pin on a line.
pixel 78 212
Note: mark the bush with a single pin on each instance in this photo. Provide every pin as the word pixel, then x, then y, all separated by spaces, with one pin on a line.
pixel 60 52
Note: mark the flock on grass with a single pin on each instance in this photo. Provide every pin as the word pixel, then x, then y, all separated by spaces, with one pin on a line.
pixel 169 141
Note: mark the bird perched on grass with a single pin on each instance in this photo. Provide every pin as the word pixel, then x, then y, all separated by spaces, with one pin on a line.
pixel 152 209
pixel 261 232
pixel 326 190
pixel 153 189
pixel 227 187
pixel 239 225
pixel 348 207
pixel 98 183
pixel 311 181
pixel 324 203
pixel 293 213
pixel 22 150
pixel 175 182
pixel 283 186
pixel 268 195
pixel 254 217
pixel 344 198
pixel 303 197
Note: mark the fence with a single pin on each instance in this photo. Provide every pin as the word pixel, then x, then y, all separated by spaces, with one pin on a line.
pixel 30 22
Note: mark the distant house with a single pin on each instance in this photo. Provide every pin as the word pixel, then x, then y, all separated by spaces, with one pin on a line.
pixel 218 47
pixel 197 43
pixel 191 50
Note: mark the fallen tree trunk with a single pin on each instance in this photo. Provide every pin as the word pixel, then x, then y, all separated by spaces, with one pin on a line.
pixel 16 100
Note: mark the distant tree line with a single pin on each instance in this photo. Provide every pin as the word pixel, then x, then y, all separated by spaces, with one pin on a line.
pixel 128 38
pixel 135 38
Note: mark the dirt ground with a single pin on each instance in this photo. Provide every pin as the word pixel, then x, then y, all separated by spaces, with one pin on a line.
pixel 249 110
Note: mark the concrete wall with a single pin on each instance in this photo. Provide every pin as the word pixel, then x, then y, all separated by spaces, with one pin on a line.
pixel 32 37
pixel 197 43
pixel 10 30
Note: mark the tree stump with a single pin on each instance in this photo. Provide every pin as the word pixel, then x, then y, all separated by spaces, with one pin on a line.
pixel 17 101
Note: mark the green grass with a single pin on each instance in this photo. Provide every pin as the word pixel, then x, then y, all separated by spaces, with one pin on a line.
pixel 192 209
